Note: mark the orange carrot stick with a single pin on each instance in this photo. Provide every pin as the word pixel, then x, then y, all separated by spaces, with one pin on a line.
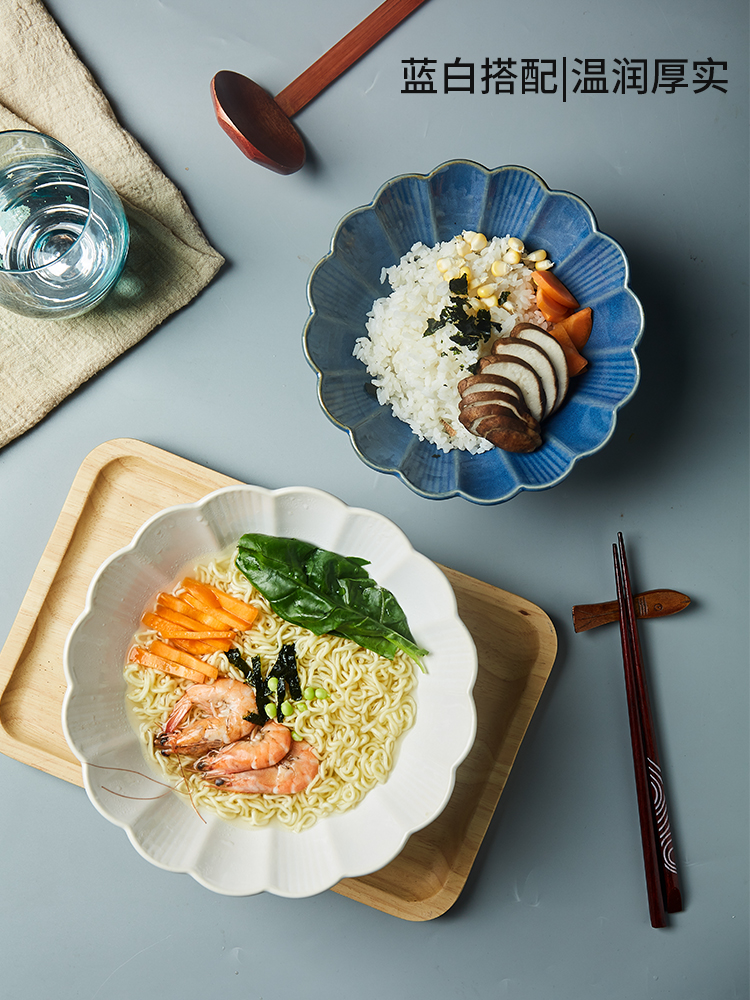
pixel 201 590
pixel 200 635
pixel 146 659
pixel 240 609
pixel 185 659
pixel 218 613
pixel 575 360
pixel 550 308
pixel 202 647
pixel 554 289
pixel 172 630
pixel 203 617
pixel 175 632
pixel 578 327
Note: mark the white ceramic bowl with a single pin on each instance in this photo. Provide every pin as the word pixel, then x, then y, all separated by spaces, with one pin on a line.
pixel 229 858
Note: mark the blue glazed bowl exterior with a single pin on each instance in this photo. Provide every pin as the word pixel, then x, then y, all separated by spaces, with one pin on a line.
pixel 430 209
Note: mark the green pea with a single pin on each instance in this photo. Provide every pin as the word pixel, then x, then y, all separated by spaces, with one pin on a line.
pixel 308 694
pixel 287 708
pixel 296 736
pixel 301 706
pixel 270 710
pixel 272 683
pixel 321 693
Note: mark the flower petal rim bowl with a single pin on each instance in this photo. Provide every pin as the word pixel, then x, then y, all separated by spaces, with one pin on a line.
pixel 226 857
pixel 434 207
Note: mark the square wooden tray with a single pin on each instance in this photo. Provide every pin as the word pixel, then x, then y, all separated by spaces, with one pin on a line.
pixel 122 483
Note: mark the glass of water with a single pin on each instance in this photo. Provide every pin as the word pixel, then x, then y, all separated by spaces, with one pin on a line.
pixel 63 232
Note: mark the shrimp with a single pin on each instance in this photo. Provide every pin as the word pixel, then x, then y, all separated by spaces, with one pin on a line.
pixel 292 774
pixel 221 706
pixel 264 747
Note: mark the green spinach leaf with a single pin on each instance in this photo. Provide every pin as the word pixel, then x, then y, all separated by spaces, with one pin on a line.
pixel 326 593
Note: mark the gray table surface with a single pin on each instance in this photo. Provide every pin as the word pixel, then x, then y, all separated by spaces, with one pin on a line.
pixel 555 906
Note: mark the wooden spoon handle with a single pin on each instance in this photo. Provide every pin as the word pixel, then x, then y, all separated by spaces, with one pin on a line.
pixel 343 54
pixel 651 604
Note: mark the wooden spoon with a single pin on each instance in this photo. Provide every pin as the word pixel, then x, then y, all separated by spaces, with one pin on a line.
pixel 260 125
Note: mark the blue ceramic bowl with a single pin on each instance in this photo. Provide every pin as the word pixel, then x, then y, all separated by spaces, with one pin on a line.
pixel 430 209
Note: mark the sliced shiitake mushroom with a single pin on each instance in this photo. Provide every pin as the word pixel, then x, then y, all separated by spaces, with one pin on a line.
pixel 523 374
pixel 487 381
pixel 523 379
pixel 471 414
pixel 539 360
pixel 510 433
pixel 535 334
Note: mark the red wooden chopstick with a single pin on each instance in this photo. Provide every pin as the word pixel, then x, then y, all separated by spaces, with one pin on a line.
pixel 662 879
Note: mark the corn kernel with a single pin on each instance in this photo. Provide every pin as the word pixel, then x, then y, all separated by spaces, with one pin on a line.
pixel 463 248
pixel 484 291
pixel 507 306
pixel 515 244
pixel 490 302
pixel 544 265
pixel 536 256
pixel 464 272
pixel 443 264
pixel 478 242
pixel 499 268
pixel 512 257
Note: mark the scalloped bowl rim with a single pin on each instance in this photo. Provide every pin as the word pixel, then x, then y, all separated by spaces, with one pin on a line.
pixel 464 683
pixel 394 470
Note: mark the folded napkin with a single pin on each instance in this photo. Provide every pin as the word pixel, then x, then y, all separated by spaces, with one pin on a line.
pixel 45 87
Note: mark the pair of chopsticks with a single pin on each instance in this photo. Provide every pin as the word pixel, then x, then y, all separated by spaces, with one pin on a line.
pixel 662 882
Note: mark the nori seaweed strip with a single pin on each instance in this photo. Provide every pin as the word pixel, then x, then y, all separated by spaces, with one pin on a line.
pixel 253 677
pixel 292 676
pixel 235 658
pixel 261 691
pixel 285 668
pixel 280 695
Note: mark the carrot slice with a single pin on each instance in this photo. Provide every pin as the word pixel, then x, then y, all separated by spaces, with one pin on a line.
pixel 191 644
pixel 554 289
pixel 172 630
pixel 185 659
pixel 146 659
pixel 241 610
pixel 201 590
pixel 203 617
pixel 200 635
pixel 550 308
pixel 170 653
pixel 201 647
pixel 575 360
pixel 186 623
pixel 578 327
pixel 165 610
pixel 219 614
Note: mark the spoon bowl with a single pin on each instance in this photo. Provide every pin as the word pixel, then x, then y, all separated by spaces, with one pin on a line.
pixel 254 121
pixel 260 124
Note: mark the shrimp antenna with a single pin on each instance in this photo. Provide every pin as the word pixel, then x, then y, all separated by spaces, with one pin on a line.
pixel 188 789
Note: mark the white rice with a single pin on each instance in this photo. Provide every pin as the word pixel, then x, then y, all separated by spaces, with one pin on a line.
pixel 418 375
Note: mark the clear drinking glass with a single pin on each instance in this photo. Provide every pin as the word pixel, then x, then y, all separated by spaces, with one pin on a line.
pixel 63 232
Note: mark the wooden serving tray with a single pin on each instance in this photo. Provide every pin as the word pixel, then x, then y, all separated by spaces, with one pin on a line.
pixel 122 483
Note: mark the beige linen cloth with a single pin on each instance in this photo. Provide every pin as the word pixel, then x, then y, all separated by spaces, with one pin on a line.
pixel 45 87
